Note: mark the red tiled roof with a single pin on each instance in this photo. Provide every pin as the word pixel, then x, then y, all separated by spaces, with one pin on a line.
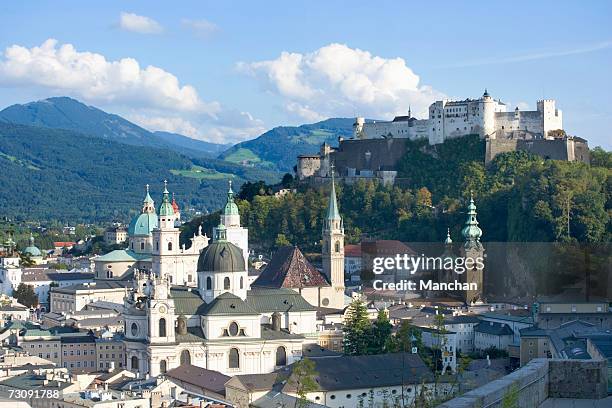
pixel 352 250
pixel 60 244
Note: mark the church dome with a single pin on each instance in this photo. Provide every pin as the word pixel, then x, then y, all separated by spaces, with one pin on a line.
pixel 143 224
pixel 32 249
pixel 221 256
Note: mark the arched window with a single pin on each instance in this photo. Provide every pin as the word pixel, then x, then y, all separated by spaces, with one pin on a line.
pixel 134 329
pixel 185 357
pixel 162 327
pixel 134 363
pixel 163 367
pixel 241 282
pixel 169 246
pixel 109 274
pixel 281 356
pixel 208 283
pixel 157 245
pixel 234 358
pixel 337 246
pixel 226 283
pixel 142 245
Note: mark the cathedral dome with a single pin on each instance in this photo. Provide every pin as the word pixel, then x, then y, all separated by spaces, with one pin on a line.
pixel 221 256
pixel 143 224
pixel 32 249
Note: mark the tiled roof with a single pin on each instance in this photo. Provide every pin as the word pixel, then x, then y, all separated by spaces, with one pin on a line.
pixel 497 329
pixel 193 335
pixel 227 304
pixel 200 377
pixel 290 269
pixel 95 285
pixel 123 255
pixel 266 300
pixel 187 301
pixel 352 250
pixel 462 319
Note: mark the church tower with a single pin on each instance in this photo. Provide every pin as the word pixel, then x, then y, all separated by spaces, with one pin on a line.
pixel 472 248
pixel 166 241
pixel 160 312
pixel 234 232
pixel 333 243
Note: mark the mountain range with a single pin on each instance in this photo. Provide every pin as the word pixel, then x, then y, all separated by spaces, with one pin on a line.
pixel 61 159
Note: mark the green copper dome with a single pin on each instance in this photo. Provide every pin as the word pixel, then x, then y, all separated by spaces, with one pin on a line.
pixel 230 207
pixel 166 209
pixel 32 249
pixel 471 232
pixel 143 224
pixel 221 256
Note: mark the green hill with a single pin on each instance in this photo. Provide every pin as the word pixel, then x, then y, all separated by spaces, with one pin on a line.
pixel 278 148
pixel 57 174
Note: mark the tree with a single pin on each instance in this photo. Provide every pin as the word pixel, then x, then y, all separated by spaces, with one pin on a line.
pixel 356 327
pixel 287 180
pixel 379 336
pixel 26 259
pixel 303 379
pixel 281 240
pixel 25 295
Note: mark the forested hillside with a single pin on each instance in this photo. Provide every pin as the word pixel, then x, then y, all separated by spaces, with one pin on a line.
pixel 519 197
pixel 52 174
pixel 278 148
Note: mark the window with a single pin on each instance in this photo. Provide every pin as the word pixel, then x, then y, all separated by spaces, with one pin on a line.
pixel 185 357
pixel 233 329
pixel 234 358
pixel 337 246
pixel 226 283
pixel 163 367
pixel 241 282
pixel 169 246
pixel 142 245
pixel 134 363
pixel 134 329
pixel 281 356
pixel 208 283
pixel 162 327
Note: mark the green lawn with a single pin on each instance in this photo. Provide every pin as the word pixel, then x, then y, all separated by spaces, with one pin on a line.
pixel 22 163
pixel 201 173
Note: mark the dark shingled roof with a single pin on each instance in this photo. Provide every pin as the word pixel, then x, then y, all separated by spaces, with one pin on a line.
pixel 266 300
pixel 370 371
pixel 497 329
pixel 187 301
pixel 228 304
pixel 290 269
pixel 200 377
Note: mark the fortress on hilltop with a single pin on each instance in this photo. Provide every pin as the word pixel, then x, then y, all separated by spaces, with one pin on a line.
pixel 377 146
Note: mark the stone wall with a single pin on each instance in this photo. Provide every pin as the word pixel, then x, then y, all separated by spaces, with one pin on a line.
pixel 538 380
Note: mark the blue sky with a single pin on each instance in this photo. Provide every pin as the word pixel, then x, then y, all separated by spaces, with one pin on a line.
pixel 225 71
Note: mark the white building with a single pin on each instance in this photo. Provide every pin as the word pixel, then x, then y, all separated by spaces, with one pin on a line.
pixel 490 334
pixel 446 342
pixel 223 324
pixel 463 326
pixel 448 119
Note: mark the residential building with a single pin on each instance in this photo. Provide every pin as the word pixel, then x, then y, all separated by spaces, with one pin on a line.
pixel 492 335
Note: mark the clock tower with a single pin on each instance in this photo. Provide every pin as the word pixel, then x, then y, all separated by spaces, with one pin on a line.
pixel 161 312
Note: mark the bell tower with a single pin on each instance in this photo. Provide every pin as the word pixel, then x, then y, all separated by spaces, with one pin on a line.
pixel 166 242
pixel 333 242
pixel 472 248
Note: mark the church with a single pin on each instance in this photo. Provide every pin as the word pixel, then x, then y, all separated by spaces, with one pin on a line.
pixel 218 320
pixel 153 244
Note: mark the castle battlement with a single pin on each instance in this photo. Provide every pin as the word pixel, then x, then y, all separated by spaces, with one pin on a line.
pixel 448 119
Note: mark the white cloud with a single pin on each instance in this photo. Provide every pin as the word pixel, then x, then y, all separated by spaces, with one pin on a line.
pixel 337 80
pixel 150 96
pixel 92 77
pixel 201 28
pixel 139 24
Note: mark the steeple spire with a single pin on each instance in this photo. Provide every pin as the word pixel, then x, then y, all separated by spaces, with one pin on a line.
pixel 471 232
pixel 165 209
pixel 448 239
pixel 230 206
pixel 332 208
pixel 148 206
